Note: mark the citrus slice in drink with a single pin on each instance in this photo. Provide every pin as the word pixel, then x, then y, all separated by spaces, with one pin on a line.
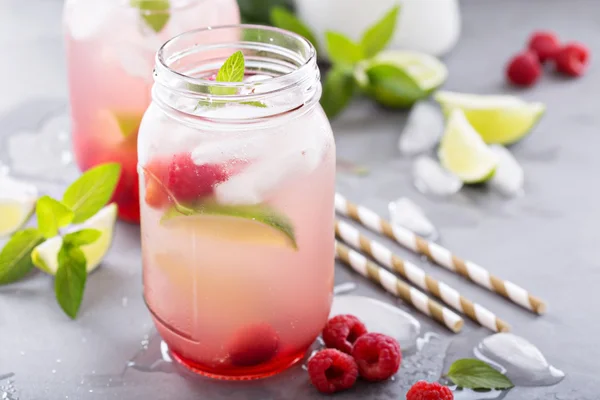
pixel 464 153
pixel 498 119
pixel 45 255
pixel 121 126
pixel 17 201
pixel 258 224
pixel 400 78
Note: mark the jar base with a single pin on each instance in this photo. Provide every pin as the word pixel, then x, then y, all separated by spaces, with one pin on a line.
pixel 239 374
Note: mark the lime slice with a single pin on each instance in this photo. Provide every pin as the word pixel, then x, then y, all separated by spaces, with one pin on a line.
pixel 498 119
pixel 17 202
pixel 45 256
pixel 257 224
pixel 120 125
pixel 400 78
pixel 464 153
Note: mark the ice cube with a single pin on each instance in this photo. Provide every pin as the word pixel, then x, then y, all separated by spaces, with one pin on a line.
pixel 86 19
pixel 509 177
pixel 135 60
pixel 406 213
pixel 430 177
pixel 423 129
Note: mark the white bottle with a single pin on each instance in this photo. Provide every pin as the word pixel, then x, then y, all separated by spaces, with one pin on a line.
pixel 430 26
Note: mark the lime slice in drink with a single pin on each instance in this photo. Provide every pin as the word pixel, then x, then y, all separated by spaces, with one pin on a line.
pixel 257 224
pixel 45 256
pixel 464 153
pixel 498 119
pixel 17 201
pixel 400 78
pixel 125 124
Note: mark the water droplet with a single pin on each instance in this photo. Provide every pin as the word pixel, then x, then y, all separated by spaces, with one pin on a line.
pixel 345 287
pixel 22 353
pixel 53 371
pixel 58 360
pixel 91 390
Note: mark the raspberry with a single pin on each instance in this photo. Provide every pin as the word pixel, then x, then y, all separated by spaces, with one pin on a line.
pixel 572 59
pixel 188 181
pixel 342 331
pixel 524 69
pixel 423 390
pixel 331 371
pixel 253 345
pixel 378 356
pixel 545 45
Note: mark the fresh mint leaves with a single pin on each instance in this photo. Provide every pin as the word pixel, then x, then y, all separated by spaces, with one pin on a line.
pixel 283 18
pixel 70 279
pixel 82 199
pixel 338 90
pixel 342 50
pixel 15 257
pixel 377 37
pixel 472 373
pixel 155 13
pixel 233 68
pixel 392 86
pixel 51 216
pixel 92 191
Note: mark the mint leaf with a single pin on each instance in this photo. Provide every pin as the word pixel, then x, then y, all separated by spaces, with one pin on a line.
pixel 258 104
pixel 15 257
pixel 343 50
pixel 154 12
pixel 69 282
pixel 284 19
pixel 338 90
pixel 82 237
pixel 51 216
pixel 471 373
pixel 392 87
pixel 377 37
pixel 233 68
pixel 92 191
pixel 258 11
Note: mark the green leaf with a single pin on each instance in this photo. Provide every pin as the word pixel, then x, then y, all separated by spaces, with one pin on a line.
pixel 51 216
pixel 471 373
pixel 92 191
pixel 393 87
pixel 258 104
pixel 233 68
pixel 155 12
pixel 69 282
pixel 338 90
pixel 284 19
pixel 343 50
pixel 258 11
pixel 82 237
pixel 15 257
pixel 377 37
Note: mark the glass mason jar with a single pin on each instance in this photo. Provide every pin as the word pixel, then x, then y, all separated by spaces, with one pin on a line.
pixel 110 47
pixel 237 189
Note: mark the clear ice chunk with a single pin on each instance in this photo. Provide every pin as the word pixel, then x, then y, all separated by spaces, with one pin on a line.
pixel 430 177
pixel 509 177
pixel 87 18
pixel 423 129
pixel 406 213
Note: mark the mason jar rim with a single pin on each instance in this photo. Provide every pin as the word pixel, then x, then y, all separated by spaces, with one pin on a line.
pixel 308 63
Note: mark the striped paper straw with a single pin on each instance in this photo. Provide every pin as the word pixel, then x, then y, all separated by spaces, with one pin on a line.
pixel 419 278
pixel 395 286
pixel 439 255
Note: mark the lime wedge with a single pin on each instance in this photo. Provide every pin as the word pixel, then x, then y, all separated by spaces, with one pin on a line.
pixel 17 201
pixel 498 119
pixel 45 256
pixel 258 224
pixel 464 153
pixel 400 78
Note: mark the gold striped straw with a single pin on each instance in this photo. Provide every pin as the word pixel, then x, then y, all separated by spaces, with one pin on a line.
pixel 439 255
pixel 398 288
pixel 419 278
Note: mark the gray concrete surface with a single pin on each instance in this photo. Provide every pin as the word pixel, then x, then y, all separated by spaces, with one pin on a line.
pixel 546 240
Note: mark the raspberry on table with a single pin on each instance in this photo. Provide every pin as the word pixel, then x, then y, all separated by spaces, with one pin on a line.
pixel 331 371
pixel 253 345
pixel 572 59
pixel 378 356
pixel 342 331
pixel 423 390
pixel 524 69
pixel 544 44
